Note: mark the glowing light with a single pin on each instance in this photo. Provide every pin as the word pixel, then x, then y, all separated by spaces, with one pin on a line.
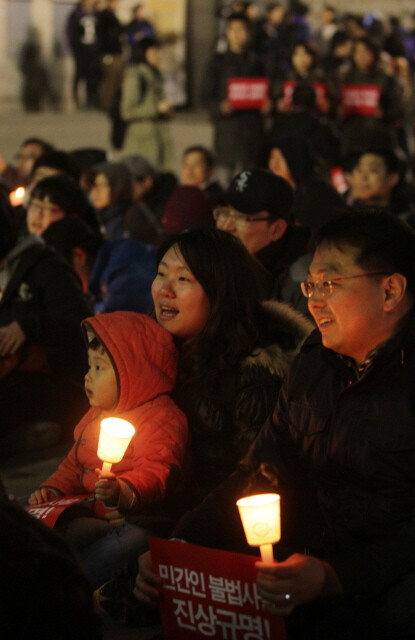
pixel 16 197
pixel 261 521
pixel 114 438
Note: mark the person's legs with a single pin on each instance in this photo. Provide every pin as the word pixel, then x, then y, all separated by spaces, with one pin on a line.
pixel 113 555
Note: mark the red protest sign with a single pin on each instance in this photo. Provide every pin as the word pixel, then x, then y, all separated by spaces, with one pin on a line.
pixel 49 512
pixel 210 593
pixel 319 87
pixel 360 99
pixel 247 93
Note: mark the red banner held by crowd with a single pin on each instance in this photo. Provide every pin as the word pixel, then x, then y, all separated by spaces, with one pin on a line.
pixel 360 99
pixel 248 93
pixel 210 593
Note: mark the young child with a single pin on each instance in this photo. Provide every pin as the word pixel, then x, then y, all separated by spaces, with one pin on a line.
pixel 132 369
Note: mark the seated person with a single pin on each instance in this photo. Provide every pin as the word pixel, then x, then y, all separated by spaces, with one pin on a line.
pixel 13 177
pixel 257 209
pixel 41 355
pixel 132 370
pixel 37 566
pixel 198 170
pixel 340 444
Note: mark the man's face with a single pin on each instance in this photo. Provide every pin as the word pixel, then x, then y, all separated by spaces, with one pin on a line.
pixel 351 320
pixel 370 181
pixel 238 35
pixel 194 169
pixel 26 157
pixel 363 56
pixel 252 230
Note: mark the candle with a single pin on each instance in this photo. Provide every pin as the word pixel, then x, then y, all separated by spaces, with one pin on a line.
pixel 261 521
pixel 16 197
pixel 114 438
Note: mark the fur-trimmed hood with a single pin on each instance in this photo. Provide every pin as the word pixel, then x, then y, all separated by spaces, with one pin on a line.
pixel 283 331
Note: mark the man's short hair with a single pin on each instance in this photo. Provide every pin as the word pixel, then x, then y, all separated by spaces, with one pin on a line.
pixel 208 156
pixel 383 242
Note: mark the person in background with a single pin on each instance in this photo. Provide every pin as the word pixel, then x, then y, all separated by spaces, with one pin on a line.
pixel 238 133
pixel 144 106
pixel 54 198
pixel 111 195
pixel 187 207
pixel 257 208
pixel 81 31
pixel 198 170
pixel 16 176
pixel 41 355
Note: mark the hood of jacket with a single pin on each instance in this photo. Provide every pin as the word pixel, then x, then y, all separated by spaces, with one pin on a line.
pixel 283 332
pixel 142 352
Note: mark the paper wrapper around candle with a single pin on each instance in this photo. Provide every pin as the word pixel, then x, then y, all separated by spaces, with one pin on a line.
pixel 261 521
pixel 114 438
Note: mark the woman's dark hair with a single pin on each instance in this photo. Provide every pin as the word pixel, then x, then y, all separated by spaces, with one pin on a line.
pixel 232 280
pixel 383 242
pixel 371 45
pixel 309 47
pixel 139 49
pixel 119 179
pixel 68 196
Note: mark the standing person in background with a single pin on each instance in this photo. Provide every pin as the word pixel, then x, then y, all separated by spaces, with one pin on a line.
pixel 238 133
pixel 144 106
pixel 82 38
pixel 109 31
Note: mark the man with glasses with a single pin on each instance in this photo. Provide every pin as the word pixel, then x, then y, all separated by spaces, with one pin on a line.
pixel 256 209
pixel 341 442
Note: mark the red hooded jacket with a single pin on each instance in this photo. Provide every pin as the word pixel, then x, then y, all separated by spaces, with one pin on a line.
pixel 145 361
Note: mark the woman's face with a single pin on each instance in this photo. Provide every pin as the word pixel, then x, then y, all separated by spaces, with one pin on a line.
pixel 181 304
pixel 41 213
pixel 302 61
pixel 100 193
pixel 363 57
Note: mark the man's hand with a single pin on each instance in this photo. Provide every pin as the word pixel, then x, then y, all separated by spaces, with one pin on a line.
pixel 107 488
pixel 11 338
pixel 147 582
pixel 297 580
pixel 42 495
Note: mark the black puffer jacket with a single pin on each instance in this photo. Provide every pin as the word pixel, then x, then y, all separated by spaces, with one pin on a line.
pixel 223 426
pixel 344 451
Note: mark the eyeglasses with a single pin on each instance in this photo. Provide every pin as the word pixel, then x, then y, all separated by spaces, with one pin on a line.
pixel 325 288
pixel 44 208
pixel 223 214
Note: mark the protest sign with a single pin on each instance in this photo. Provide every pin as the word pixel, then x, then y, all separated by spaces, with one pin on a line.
pixel 360 99
pixel 210 593
pixel 247 93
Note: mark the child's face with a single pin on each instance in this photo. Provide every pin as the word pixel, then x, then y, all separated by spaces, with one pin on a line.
pixel 100 381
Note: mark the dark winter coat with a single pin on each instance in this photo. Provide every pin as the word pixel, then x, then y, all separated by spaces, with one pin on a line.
pixel 238 136
pixel 222 427
pixel 348 445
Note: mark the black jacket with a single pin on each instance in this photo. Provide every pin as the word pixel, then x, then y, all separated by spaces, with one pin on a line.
pixel 343 449
pixel 223 424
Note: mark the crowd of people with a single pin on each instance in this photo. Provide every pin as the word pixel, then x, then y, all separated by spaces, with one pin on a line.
pixel 252 317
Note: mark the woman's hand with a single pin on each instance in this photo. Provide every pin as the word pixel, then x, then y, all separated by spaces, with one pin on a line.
pixel 107 488
pixel 147 582
pixel 42 495
pixel 299 579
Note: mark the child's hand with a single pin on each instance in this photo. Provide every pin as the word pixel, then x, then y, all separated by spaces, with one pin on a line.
pixel 42 495
pixel 107 488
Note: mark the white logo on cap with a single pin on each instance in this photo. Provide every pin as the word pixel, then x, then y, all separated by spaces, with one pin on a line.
pixel 242 181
